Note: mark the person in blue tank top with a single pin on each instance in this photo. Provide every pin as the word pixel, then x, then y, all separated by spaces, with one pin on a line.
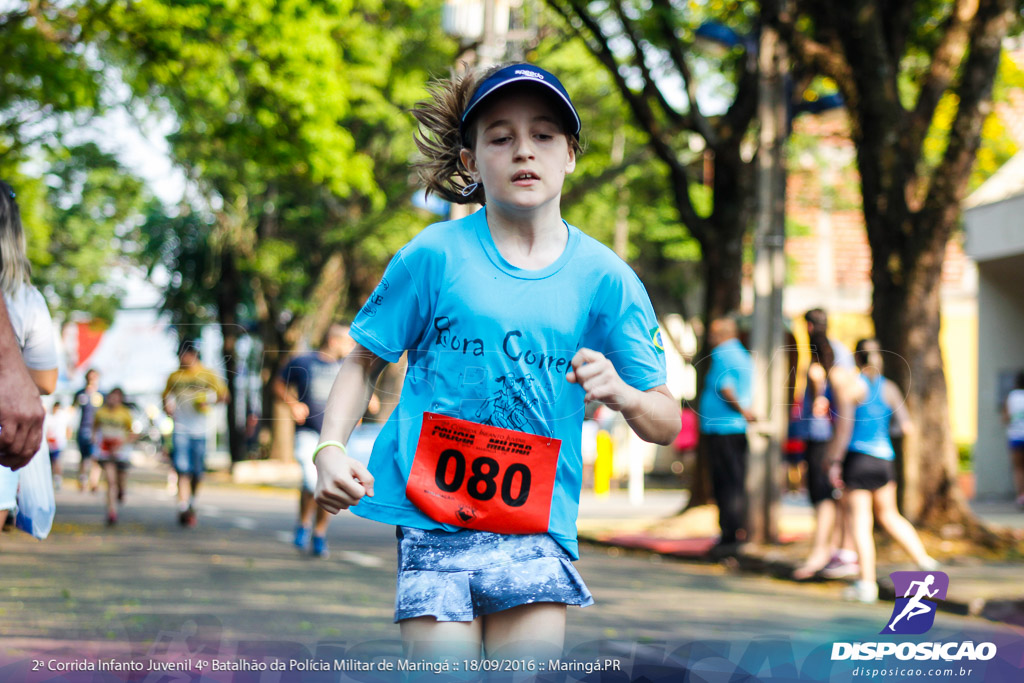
pixel 512 320
pixel 862 465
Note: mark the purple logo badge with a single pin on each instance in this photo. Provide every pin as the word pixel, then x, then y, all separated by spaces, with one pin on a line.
pixel 917 596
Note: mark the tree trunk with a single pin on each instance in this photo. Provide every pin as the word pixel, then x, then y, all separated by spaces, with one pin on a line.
pixel 722 266
pixel 907 322
pixel 228 300
pixel 911 207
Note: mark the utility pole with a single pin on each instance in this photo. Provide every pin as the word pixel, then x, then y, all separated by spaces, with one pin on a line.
pixel 491 31
pixel 768 435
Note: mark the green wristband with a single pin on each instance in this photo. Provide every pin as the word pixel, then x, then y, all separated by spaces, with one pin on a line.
pixel 325 444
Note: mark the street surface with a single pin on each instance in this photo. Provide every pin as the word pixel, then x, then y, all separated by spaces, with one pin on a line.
pixel 235 586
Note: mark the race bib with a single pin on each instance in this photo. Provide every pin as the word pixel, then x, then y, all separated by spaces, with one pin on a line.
pixel 482 477
pixel 110 445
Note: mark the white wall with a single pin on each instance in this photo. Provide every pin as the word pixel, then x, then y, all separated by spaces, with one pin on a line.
pixel 1000 349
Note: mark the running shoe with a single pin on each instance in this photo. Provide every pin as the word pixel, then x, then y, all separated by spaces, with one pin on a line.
pixel 861 591
pixel 840 569
pixel 320 546
pixel 111 518
pixel 301 537
pixel 187 517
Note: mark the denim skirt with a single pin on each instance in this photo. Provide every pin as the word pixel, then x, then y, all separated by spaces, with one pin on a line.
pixel 461 575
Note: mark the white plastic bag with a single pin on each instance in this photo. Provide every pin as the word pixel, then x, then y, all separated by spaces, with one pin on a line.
pixel 36 506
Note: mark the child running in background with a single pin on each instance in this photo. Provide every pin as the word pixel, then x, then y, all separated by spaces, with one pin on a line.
pixel 29 319
pixel 58 433
pixel 512 320
pixel 112 427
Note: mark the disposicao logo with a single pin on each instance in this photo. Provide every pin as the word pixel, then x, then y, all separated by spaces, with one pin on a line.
pixel 917 594
pixel 914 613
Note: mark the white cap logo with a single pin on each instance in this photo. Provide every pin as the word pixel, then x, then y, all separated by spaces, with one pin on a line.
pixel 531 74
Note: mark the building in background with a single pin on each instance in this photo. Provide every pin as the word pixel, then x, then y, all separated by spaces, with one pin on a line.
pixel 994 219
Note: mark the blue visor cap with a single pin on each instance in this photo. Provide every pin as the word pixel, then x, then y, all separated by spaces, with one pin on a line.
pixel 519 74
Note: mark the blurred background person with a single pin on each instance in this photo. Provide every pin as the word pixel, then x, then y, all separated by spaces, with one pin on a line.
pixel 724 414
pixel 112 427
pixel 832 551
pixel 1013 416
pixel 30 322
pixel 190 390
pixel 304 385
pixel 862 465
pixel 58 433
pixel 88 400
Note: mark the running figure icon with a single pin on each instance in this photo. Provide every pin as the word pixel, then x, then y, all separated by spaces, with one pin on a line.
pixel 915 607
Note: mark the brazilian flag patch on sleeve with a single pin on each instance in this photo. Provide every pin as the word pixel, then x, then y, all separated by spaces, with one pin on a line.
pixel 656 338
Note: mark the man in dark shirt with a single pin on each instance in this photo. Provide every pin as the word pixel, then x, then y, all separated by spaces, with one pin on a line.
pixel 88 400
pixel 304 385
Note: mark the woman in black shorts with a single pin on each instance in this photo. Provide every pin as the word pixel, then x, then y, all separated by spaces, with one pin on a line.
pixel 863 465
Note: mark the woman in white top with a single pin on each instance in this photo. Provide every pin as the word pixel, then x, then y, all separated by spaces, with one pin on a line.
pixel 1013 415
pixel 30 320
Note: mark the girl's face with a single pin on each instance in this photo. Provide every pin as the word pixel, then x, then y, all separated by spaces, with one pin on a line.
pixel 114 398
pixel 521 153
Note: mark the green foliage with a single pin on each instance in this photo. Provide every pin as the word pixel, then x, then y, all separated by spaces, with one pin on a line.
pixel 176 245
pixel 291 120
pixel 44 75
pixel 997 145
pixel 611 186
pixel 93 206
pixel 965 456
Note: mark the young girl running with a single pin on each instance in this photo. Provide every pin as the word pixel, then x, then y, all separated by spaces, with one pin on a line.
pixel 112 427
pixel 862 464
pixel 29 320
pixel 512 320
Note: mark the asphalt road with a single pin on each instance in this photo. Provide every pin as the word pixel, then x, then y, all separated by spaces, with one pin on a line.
pixel 235 586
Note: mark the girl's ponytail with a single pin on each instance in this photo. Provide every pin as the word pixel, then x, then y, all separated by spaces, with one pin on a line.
pixel 440 142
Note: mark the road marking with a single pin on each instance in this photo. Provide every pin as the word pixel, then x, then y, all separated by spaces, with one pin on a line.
pixel 245 523
pixel 360 559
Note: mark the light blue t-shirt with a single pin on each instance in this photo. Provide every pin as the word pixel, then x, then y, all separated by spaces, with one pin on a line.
pixel 871 422
pixel 492 343
pixel 731 367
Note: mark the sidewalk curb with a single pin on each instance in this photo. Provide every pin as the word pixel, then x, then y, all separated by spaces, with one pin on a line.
pixel 754 561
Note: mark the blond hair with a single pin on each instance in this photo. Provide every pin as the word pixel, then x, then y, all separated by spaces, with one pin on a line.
pixel 440 141
pixel 15 269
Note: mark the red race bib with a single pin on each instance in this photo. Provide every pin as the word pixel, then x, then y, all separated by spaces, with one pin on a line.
pixel 482 477
pixel 110 445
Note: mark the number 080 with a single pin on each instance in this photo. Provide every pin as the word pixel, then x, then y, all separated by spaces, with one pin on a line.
pixel 482 483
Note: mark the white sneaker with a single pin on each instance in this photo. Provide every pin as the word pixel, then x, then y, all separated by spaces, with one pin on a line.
pixel 929 565
pixel 861 591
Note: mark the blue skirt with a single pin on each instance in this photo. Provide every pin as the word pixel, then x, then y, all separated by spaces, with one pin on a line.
pixel 458 576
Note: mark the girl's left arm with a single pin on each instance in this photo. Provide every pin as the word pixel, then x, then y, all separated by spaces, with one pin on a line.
pixel 653 414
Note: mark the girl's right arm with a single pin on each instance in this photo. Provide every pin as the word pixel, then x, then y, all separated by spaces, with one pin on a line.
pixel 341 480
